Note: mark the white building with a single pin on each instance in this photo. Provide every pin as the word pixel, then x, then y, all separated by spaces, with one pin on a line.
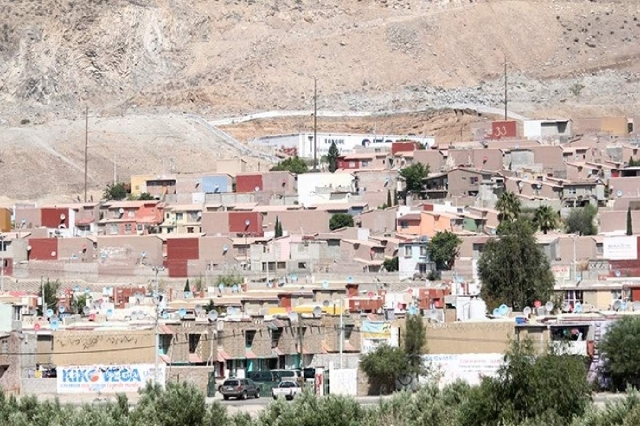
pixel 413 259
pixel 547 129
pixel 346 143
pixel 325 188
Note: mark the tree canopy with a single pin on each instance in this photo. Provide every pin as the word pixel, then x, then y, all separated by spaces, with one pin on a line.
pixel 384 366
pixel 115 192
pixel 415 340
pixel 332 157
pixel 621 348
pixel 545 218
pixel 391 265
pixel 413 176
pixel 581 221
pixel 340 220
pixel 508 206
pixel 513 269
pixel 443 249
pixel 294 165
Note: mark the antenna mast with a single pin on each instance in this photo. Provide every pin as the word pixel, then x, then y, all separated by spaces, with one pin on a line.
pixel 86 148
pixel 505 89
pixel 315 124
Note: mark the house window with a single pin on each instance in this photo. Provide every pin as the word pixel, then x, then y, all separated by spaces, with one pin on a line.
pixel 179 216
pixel 140 228
pixel 571 190
pixel 5 346
pixel 365 163
pixel 423 251
pixel 131 213
pixel 275 337
pixel 194 340
pixel 282 265
pixel 408 251
pixel 422 268
pixel 404 224
pixel 113 228
pixel 302 265
pixel 249 335
pixel 473 181
pixel 189 229
pixel 3 245
pixel 574 296
pixel 352 164
pixel 599 249
pixel 127 228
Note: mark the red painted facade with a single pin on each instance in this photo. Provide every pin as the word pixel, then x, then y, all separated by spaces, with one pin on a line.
pixel 249 183
pixel 429 296
pixel 238 223
pixel 42 248
pixel 51 217
pixel 405 146
pixel 503 129
pixel 121 295
pixel 7 265
pixel 179 252
pixel 366 305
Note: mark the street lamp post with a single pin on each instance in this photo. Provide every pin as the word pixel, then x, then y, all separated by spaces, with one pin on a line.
pixel 156 300
pixel 2 263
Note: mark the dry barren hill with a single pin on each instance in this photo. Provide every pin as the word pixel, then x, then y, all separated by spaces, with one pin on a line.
pixel 223 56
pixel 135 62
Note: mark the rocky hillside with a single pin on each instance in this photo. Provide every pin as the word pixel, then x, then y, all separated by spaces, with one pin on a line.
pixel 220 57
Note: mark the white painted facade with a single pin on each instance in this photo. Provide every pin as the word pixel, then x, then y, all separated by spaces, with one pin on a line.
pixel 346 143
pixel 545 129
pixel 325 188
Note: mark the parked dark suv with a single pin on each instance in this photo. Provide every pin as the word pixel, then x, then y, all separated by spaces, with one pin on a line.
pixel 239 388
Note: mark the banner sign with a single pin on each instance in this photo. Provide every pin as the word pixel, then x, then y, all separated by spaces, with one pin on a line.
pixel 376 330
pixel 469 368
pixel 107 378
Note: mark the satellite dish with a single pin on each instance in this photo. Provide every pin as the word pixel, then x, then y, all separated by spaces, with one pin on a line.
pixel 61 309
pixel 140 315
pixel 257 188
pixel 49 313
pixel 618 273
pixel 92 317
pixel 636 305
pixel 412 310
pixel 121 210
pixel 616 305
pixel 198 308
pixel 143 254
pixel 199 214
pixel 54 318
pixel 433 314
pixel 234 288
pixel 36 327
pixel 548 307
pixel 317 311
pixel 619 193
pixel 247 222
pixel 220 287
pixel 565 306
pixel 53 254
pixel 350 280
pixel 225 248
pixel 165 315
pixel 182 312
pixel 504 309
pixel 28 248
pixel 109 312
pixel 623 306
pixel 270 284
pixel 496 312
pixel 76 288
pixel 539 185
pixel 187 295
pixel 212 315
pixel 103 255
pixel 86 310
pixel 577 308
pixel 326 303
pixel 370 294
pixel 62 216
pixel 293 316
pixel 325 284
pixel 526 311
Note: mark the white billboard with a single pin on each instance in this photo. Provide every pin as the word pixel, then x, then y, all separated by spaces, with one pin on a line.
pixel 469 368
pixel 107 378
pixel 620 248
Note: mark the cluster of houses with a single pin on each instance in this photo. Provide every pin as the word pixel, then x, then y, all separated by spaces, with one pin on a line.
pixel 256 246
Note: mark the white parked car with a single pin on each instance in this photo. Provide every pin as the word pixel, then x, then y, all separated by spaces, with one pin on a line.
pixel 287 389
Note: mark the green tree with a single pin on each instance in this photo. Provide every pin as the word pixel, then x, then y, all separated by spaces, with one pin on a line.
pixel 545 218
pixel 391 265
pixel 443 249
pixel 621 348
pixel 78 303
pixel 415 340
pixel 395 197
pixel 581 221
pixel 187 288
pixel 145 196
pixel 413 176
pixel 340 220
pixel 508 206
pixel 513 269
pixel 389 203
pixel 295 165
pixel 551 387
pixel 383 366
pixel 629 222
pixel 633 163
pixel 278 228
pixel 229 280
pixel 115 192
pixel 50 293
pixel 332 157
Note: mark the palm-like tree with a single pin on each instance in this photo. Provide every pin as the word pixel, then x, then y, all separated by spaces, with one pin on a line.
pixel 545 218
pixel 509 206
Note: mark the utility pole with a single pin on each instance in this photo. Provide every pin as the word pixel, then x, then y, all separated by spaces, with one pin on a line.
pixel 44 304
pixel 157 335
pixel 86 148
pixel 115 171
pixel 505 89
pixel 2 265
pixel 315 124
pixel 341 332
